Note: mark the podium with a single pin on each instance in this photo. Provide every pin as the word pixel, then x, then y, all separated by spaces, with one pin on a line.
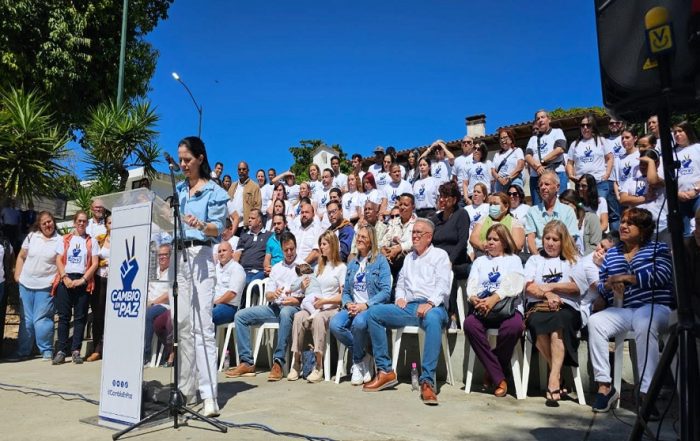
pixel 141 221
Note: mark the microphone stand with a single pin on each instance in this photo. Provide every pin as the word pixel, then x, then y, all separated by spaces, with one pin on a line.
pixel 176 402
pixel 681 341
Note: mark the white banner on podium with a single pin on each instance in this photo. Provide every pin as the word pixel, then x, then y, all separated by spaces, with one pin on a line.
pixel 125 313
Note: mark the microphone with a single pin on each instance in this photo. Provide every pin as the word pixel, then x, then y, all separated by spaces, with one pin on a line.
pixel 171 162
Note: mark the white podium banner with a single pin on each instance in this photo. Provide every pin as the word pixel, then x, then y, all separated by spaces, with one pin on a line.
pixel 125 314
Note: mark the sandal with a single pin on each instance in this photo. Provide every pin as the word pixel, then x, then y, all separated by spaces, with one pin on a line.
pixel 549 396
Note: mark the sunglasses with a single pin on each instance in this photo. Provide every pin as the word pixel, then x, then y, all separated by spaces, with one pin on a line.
pixel 586 125
pixel 394 216
pixel 513 194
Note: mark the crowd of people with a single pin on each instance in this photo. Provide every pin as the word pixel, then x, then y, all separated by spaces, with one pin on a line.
pixel 390 246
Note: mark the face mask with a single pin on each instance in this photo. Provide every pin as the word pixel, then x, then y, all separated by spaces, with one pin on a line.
pixel 494 211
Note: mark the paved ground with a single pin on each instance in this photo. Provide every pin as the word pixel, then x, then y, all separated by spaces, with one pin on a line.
pixel 339 412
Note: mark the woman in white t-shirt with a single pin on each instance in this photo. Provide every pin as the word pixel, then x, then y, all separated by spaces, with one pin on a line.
pixel 477 210
pixel 508 163
pixel 591 154
pixel 493 277
pixel 278 192
pixel 76 262
pixel 279 206
pixel 98 299
pixel 317 312
pixel 352 210
pixel 550 287
pixel 304 192
pixel 687 152
pixel 35 272
pixel 479 172
pixel 518 207
pixel 425 190
pixel 592 201
pixel 371 193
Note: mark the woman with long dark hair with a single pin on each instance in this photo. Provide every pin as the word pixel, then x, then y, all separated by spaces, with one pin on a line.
pixel 591 154
pixel 592 200
pixel 425 190
pixel 508 163
pixel 590 233
pixel 203 212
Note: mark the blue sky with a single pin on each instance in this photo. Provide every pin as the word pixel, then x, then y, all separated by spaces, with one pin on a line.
pixel 364 73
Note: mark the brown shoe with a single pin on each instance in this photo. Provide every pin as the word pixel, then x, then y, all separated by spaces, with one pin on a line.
pixel 427 394
pixel 502 389
pixel 383 380
pixel 275 373
pixel 242 370
pixel 94 357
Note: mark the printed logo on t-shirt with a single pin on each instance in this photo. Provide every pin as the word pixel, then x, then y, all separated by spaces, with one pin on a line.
pixel 348 204
pixel 626 171
pixel 492 284
pixel 617 150
pixel 587 155
pixel 75 256
pixel 477 216
pixel 360 283
pixel 641 188
pixel 553 277
pixel 543 146
pixel 420 196
pixel 686 166
pixel 479 171
pixel 394 196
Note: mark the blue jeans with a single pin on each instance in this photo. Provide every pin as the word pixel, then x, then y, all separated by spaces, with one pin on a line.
pixel 392 317
pixel 223 314
pixel 606 189
pixel 36 313
pixel 688 210
pixel 152 312
pixel 351 331
pixel 534 192
pixel 258 315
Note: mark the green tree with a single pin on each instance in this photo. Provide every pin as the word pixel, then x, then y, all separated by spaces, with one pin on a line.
pixel 69 50
pixel 119 137
pixel 32 147
pixel 303 157
pixel 576 111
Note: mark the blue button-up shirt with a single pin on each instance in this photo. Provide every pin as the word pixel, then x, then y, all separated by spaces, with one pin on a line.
pixel 537 217
pixel 207 205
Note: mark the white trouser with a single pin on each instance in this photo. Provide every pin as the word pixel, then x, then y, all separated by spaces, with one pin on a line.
pixel 197 346
pixel 611 322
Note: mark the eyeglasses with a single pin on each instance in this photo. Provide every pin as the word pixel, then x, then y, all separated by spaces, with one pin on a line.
pixel 164 255
pixel 504 139
pixel 418 233
pixel 332 212
pixel 242 169
pixel 467 142
pixel 615 123
pixel 394 216
pixel 586 126
pixel 513 194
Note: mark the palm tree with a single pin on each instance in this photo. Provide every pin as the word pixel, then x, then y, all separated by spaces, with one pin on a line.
pixel 118 137
pixel 31 146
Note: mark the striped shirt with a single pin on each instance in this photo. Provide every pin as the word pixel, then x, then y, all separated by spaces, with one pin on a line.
pixel 652 268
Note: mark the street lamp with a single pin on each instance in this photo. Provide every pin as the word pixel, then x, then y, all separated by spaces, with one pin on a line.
pixel 197 106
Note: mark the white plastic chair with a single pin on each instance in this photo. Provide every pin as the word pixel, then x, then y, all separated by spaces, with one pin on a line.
pixel 230 326
pixel 398 334
pixel 492 334
pixel 527 357
pixel 156 353
pixel 261 331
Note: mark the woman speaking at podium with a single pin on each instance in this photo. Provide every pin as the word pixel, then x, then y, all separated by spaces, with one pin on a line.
pixel 203 210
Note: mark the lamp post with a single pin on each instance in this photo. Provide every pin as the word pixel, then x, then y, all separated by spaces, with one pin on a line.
pixel 197 106
pixel 122 53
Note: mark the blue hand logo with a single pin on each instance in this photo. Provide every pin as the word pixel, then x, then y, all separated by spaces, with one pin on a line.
pixel 641 189
pixel 76 250
pixel 477 216
pixel 360 277
pixel 543 146
pixel 394 196
pixel 129 266
pixel 626 170
pixel 686 161
pixel 324 199
pixel 588 152
pixel 422 190
pixel 479 171
pixel 438 170
pixel 617 149
pixel 552 277
pixel 494 275
pixel 347 205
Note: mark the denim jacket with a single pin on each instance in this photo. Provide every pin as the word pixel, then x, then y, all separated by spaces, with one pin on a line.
pixel 378 281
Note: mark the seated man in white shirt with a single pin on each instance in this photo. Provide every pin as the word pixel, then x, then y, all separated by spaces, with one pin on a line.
pixel 422 291
pixel 230 282
pixel 283 304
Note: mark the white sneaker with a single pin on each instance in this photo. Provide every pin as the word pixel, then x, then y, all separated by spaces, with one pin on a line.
pixel 211 409
pixel 315 376
pixel 293 374
pixel 357 374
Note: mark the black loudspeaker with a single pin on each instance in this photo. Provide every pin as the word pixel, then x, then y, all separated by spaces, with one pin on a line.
pixel 631 86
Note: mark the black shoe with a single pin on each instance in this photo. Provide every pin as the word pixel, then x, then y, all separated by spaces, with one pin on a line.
pixel 654 414
pixel 59 358
pixel 603 403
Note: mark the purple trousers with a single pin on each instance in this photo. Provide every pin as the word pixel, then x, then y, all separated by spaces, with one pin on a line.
pixel 495 360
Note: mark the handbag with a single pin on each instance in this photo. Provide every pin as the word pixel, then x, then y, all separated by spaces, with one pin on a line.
pixel 308 362
pixel 503 310
pixel 540 307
